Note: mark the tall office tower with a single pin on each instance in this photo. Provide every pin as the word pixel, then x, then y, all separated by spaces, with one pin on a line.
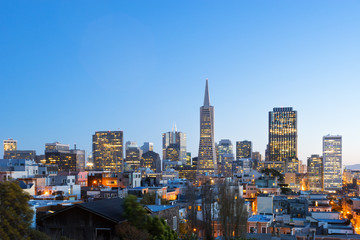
pixel 133 155
pixel 332 158
pixel 20 154
pixel 207 152
pixel 148 146
pixel 282 134
pixel 243 149
pixel 10 145
pixel 173 152
pixel 174 137
pixel 151 160
pixel 315 173
pixel 224 147
pixel 66 159
pixel 108 150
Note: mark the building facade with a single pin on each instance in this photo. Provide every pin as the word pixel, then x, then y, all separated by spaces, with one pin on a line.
pixel 282 134
pixel 67 159
pixel 10 145
pixel 174 137
pixel 152 161
pixel 108 150
pixel 20 154
pixel 147 146
pixel 315 173
pixel 133 155
pixel 243 149
pixel 332 159
pixel 207 153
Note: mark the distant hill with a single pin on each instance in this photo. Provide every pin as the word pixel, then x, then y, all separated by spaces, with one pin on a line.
pixel 353 167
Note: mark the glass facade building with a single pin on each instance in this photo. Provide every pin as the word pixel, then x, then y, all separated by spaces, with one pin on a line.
pixel 108 150
pixel 282 134
pixel 332 159
pixel 315 173
pixel 133 155
pixel 174 137
pixel 243 149
pixel 207 153
pixel 152 161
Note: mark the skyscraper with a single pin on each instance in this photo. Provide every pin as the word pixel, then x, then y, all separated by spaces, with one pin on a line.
pixel 133 155
pixel 174 137
pixel 282 134
pixel 207 155
pixel 152 161
pixel 243 149
pixel 108 150
pixel 332 158
pixel 147 146
pixel 315 173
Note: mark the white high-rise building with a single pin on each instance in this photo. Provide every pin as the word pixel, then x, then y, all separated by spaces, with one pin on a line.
pixel 332 159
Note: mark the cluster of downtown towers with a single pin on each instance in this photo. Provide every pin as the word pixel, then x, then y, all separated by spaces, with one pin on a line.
pixel 324 172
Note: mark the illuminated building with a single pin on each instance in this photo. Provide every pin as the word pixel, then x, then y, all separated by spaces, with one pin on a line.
pixel 224 147
pixel 133 155
pixel 147 146
pixel 186 172
pixel 10 145
pixel 207 156
pixel 292 165
pixel 20 154
pixel 332 158
pixel 315 173
pixel 173 152
pixel 67 159
pixel 108 150
pixel 174 137
pixel 152 161
pixel 80 159
pixel 243 149
pixel 257 156
pixel 188 159
pixel 282 134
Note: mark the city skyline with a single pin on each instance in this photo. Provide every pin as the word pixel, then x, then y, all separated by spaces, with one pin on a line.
pixel 73 81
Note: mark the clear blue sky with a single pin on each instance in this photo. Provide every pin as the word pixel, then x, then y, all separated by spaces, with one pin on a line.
pixel 70 68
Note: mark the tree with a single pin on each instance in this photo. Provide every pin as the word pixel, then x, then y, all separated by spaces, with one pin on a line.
pixel 191 211
pixel 232 212
pixel 15 213
pixel 149 199
pixel 134 212
pixel 207 209
pixel 143 225
pixel 128 232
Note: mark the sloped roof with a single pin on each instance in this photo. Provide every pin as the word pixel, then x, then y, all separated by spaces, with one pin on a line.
pixel 111 209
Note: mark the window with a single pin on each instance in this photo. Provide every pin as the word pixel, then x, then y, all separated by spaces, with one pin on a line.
pixel 263 230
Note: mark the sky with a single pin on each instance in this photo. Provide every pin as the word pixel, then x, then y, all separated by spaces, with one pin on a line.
pixel 70 68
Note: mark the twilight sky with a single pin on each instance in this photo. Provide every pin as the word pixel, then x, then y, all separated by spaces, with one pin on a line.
pixel 70 68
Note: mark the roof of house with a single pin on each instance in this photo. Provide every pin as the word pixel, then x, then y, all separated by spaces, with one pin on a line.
pixel 158 208
pixel 260 218
pixel 111 209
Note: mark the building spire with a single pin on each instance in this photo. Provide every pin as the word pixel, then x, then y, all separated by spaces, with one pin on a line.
pixel 206 98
